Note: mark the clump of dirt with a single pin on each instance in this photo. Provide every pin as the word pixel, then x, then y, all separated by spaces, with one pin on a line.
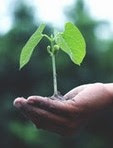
pixel 57 97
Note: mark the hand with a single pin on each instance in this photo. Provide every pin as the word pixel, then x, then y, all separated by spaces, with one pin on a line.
pixel 65 117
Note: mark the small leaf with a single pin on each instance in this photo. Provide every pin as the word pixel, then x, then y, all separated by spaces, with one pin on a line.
pixel 72 42
pixel 30 46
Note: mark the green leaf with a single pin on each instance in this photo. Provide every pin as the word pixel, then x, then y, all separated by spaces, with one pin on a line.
pixel 72 42
pixel 30 46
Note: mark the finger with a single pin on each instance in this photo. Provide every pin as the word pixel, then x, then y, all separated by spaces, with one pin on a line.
pixel 18 102
pixel 51 122
pixel 42 118
pixel 62 108
pixel 22 104
pixel 47 120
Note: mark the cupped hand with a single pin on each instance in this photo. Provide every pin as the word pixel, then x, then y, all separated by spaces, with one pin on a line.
pixel 66 116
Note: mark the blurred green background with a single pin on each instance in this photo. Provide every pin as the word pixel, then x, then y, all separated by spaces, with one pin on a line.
pixel 36 79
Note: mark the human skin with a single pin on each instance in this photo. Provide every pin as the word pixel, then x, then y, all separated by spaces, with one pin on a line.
pixel 67 116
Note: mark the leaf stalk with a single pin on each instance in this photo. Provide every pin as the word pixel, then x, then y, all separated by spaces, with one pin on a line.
pixel 54 67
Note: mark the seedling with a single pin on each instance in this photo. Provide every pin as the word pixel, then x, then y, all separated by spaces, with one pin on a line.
pixel 70 41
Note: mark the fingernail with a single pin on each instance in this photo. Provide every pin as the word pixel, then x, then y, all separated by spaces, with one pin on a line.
pixel 18 102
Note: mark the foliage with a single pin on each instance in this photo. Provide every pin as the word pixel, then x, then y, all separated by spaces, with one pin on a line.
pixel 70 41
pixel 24 131
pixel 30 45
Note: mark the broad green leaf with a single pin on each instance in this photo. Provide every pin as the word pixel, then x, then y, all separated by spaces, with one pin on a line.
pixel 72 42
pixel 30 46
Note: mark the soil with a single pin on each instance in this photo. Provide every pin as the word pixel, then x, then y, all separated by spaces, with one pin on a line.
pixel 57 97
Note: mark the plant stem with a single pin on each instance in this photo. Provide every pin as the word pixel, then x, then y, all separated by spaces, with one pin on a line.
pixel 51 51
pixel 54 75
pixel 54 67
pixel 44 35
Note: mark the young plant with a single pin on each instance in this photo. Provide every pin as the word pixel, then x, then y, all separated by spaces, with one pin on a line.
pixel 70 41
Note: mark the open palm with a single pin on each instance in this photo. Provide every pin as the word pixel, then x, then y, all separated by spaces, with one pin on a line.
pixel 66 116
